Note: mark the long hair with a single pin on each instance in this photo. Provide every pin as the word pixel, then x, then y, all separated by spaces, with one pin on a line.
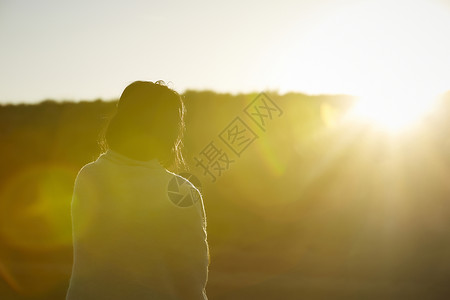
pixel 148 123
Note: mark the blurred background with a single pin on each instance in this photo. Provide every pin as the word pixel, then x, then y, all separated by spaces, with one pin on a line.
pixel 343 191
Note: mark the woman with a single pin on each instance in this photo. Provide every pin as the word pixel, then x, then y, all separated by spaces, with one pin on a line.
pixel 131 241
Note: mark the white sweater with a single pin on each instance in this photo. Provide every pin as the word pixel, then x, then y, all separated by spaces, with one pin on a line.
pixel 131 241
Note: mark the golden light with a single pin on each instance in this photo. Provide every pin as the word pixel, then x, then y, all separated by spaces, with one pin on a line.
pixel 35 228
pixel 393 55
pixel 392 111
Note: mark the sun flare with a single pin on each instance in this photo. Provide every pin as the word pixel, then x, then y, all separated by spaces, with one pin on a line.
pixel 391 111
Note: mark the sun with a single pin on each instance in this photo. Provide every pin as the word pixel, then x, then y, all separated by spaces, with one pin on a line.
pixel 392 55
pixel 392 111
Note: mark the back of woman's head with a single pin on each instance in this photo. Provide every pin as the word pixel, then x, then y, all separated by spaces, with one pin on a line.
pixel 148 124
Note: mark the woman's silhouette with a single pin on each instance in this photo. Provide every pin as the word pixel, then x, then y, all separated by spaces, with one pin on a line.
pixel 130 240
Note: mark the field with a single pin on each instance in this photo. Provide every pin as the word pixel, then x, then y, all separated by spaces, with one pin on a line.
pixel 312 206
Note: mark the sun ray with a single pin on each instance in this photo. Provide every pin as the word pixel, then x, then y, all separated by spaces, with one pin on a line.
pixel 392 111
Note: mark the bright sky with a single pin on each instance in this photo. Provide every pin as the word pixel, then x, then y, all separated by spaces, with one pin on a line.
pixel 87 49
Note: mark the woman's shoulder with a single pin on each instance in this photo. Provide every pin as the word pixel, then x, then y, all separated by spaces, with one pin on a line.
pixel 90 170
pixel 183 180
pixel 185 195
pixel 180 177
pixel 94 166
